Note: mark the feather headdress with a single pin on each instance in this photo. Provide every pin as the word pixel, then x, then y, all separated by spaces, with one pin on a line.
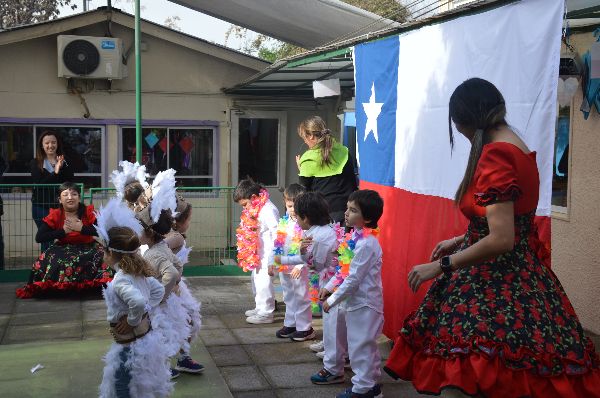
pixel 115 214
pixel 163 194
pixel 129 173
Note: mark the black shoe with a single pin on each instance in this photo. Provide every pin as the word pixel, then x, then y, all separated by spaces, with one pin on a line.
pixel 303 336
pixel 285 332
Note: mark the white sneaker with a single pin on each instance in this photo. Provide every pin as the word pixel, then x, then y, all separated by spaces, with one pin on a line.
pixel 251 312
pixel 320 354
pixel 317 346
pixel 259 319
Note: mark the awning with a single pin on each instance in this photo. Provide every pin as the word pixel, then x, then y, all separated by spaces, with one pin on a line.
pixel 305 23
pixel 293 78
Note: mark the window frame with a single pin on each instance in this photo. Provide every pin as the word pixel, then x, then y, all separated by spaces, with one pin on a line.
pixel 42 125
pixel 562 212
pixel 215 148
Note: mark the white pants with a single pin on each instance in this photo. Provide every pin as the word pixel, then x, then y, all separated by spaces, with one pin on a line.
pixel 334 339
pixel 297 301
pixel 262 287
pixel 364 326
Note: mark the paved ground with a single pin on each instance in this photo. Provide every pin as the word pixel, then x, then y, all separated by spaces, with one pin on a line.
pixel 69 336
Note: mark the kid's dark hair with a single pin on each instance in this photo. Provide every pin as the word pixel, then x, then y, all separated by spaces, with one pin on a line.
pixel 312 205
pixel 159 229
pixel 293 191
pixel 245 189
pixel 478 105
pixel 370 204
pixel 133 191
pixel 184 209
pixel 123 238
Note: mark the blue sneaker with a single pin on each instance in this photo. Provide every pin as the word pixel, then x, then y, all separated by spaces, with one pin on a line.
pixel 285 332
pixel 323 377
pixel 374 392
pixel 188 365
pixel 174 374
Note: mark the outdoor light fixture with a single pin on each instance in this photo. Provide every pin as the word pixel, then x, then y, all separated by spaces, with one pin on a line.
pixel 568 79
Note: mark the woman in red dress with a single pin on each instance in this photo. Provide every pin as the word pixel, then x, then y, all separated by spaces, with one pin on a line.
pixel 496 322
pixel 75 261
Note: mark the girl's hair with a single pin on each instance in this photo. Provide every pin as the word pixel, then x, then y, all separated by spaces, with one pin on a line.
pixel 478 105
pixel 184 210
pixel 293 191
pixel 245 189
pixel 40 155
pixel 123 238
pixel 370 204
pixel 315 126
pixel 133 191
pixel 162 227
pixel 312 205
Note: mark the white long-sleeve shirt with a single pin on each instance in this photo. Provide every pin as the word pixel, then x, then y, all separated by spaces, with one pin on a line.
pixel 294 259
pixel 321 252
pixel 268 219
pixel 133 296
pixel 165 264
pixel 362 287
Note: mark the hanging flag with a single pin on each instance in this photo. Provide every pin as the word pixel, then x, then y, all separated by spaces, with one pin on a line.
pixel 403 86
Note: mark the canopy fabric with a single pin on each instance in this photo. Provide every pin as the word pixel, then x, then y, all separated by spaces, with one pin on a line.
pixel 307 23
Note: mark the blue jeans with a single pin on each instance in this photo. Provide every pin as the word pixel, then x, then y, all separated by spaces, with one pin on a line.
pixel 38 212
pixel 122 376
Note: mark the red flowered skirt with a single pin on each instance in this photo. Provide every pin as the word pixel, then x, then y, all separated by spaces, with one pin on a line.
pixel 504 328
pixel 67 268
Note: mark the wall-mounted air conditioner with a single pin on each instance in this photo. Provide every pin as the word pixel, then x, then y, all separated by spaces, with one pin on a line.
pixel 86 57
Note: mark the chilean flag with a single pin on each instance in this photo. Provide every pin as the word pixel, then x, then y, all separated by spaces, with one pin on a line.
pixel 403 85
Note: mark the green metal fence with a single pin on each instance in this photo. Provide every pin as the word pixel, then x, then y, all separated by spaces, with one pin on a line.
pixel 211 233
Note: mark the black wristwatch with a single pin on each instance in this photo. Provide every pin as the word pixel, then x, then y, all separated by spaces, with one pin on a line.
pixel 446 265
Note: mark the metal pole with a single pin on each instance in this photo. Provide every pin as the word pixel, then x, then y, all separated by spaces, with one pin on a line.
pixel 138 86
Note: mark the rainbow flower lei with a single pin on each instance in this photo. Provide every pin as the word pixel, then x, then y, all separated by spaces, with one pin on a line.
pixel 247 233
pixel 315 278
pixel 346 251
pixel 281 240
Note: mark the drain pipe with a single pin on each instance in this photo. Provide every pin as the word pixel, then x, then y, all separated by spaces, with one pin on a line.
pixel 138 86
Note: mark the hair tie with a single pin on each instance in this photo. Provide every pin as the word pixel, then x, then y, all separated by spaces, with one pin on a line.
pixel 326 132
pixel 123 251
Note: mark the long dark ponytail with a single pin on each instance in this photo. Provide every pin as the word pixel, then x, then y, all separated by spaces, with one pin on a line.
pixel 476 105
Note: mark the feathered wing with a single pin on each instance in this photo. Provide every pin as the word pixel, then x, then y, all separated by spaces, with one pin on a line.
pixel 163 194
pixel 129 173
pixel 115 214
pixel 183 254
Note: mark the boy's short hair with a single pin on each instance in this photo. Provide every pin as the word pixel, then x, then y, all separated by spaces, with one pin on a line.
pixel 370 204
pixel 245 189
pixel 312 205
pixel 293 191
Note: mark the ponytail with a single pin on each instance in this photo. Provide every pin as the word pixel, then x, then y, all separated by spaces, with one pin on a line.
pixel 315 126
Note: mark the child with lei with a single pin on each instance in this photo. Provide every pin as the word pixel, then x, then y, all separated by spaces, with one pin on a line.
pixel 353 302
pixel 293 271
pixel 255 239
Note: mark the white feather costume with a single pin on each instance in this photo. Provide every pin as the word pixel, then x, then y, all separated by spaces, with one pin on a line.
pixel 129 173
pixel 146 358
pixel 191 304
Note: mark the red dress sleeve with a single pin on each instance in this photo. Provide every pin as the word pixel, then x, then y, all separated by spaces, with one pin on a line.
pixel 496 177
pixel 89 217
pixel 54 219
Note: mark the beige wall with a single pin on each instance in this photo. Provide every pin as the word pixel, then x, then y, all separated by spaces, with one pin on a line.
pixel 576 235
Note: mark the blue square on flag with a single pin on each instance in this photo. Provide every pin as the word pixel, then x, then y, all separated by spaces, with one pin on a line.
pixel 376 82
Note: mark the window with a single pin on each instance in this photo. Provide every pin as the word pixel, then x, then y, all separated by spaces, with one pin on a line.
pixel 560 174
pixel 82 149
pixel 189 151
pixel 258 150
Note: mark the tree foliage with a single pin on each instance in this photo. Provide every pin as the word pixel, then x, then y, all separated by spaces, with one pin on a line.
pixel 271 50
pixel 23 12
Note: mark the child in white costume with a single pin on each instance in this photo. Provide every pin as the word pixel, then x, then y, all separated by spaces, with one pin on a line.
pixel 171 317
pixel 175 239
pixel 135 366
pixel 320 239
pixel 255 237
pixel 293 271
pixel 362 296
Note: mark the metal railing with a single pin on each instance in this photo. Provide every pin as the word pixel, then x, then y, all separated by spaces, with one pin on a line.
pixel 211 233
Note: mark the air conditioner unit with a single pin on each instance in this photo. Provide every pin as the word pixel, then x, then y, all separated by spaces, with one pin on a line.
pixel 86 57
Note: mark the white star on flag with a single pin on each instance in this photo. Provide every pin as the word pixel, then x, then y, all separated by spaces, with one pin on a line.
pixel 372 109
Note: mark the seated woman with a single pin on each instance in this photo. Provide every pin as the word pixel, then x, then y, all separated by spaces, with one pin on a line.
pixel 75 261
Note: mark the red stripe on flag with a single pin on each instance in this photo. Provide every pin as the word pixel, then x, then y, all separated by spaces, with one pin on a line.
pixel 411 225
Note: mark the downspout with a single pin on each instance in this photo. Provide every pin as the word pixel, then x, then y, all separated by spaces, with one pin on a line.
pixel 138 86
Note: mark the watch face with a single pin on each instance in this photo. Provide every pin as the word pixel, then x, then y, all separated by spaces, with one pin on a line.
pixel 446 261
